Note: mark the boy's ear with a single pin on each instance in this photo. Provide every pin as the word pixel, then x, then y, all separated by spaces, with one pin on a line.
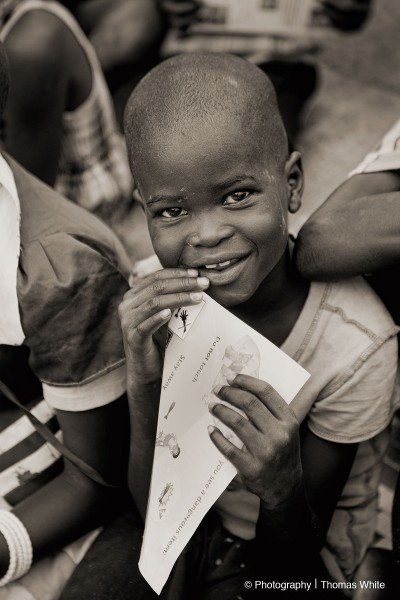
pixel 295 181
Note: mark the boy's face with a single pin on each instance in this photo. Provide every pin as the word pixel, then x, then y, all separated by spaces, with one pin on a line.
pixel 216 201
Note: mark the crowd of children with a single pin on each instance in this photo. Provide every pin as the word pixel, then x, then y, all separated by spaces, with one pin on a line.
pixel 206 156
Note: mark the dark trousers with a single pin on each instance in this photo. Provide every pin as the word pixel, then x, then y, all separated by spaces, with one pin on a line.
pixel 215 565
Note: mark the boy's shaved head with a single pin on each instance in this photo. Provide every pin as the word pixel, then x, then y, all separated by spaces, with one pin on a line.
pixel 190 93
pixel 210 159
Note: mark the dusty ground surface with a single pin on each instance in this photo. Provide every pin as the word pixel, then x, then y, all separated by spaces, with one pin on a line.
pixel 357 100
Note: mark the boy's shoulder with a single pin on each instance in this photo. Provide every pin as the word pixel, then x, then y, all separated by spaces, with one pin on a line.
pixel 343 324
pixel 346 339
pixel 356 305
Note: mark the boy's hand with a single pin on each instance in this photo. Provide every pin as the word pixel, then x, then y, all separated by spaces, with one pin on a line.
pixel 269 462
pixel 146 308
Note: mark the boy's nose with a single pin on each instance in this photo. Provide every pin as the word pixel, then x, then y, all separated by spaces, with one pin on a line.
pixel 209 232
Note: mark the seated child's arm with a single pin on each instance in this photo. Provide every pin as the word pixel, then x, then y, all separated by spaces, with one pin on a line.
pixel 122 31
pixel 72 504
pixel 144 311
pixel 41 65
pixel 355 231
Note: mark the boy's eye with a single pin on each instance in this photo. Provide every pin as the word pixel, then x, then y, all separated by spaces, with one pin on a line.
pixel 174 212
pixel 236 197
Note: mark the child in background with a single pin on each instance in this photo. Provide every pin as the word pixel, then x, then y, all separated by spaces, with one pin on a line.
pixel 59 121
pixel 290 62
pixel 356 230
pixel 212 167
pixel 62 276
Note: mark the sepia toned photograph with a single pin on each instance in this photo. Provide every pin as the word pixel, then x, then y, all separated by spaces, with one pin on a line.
pixel 199 299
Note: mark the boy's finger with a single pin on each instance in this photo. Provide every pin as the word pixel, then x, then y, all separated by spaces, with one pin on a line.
pixel 139 336
pixel 158 303
pixel 237 422
pixel 140 283
pixel 239 458
pixel 250 404
pixel 132 318
pixel 163 287
pixel 265 392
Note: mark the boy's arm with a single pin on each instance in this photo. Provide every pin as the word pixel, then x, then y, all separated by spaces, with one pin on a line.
pixel 143 312
pixel 299 473
pixel 297 476
pixel 355 231
pixel 293 534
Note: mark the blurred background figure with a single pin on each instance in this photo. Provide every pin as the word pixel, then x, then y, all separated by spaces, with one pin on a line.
pixel 126 35
pixel 59 122
pixel 289 61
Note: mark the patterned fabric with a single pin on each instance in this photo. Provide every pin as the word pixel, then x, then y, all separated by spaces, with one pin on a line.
pixel 26 463
pixel 93 169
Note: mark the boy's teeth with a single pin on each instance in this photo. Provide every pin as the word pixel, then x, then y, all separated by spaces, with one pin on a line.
pixel 216 265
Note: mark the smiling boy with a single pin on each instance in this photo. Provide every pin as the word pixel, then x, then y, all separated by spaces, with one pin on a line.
pixel 211 163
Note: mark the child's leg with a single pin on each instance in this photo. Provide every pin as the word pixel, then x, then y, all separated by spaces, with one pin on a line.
pixel 109 568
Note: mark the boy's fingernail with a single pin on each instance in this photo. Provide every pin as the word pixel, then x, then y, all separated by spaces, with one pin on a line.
pixel 230 377
pixel 192 272
pixel 216 389
pixel 211 406
pixel 203 282
pixel 210 429
pixel 165 314
pixel 196 296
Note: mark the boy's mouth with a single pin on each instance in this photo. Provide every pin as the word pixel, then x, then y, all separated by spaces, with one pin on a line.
pixel 221 265
pixel 222 272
